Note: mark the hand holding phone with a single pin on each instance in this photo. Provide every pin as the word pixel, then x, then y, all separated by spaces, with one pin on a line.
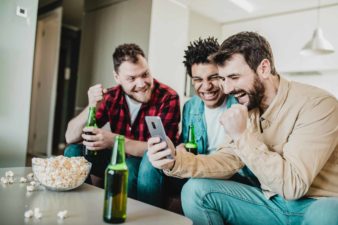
pixel 156 129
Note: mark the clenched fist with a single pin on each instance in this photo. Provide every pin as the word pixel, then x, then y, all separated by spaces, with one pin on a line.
pixel 95 94
pixel 234 121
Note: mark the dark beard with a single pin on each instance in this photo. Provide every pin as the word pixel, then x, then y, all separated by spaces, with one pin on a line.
pixel 255 95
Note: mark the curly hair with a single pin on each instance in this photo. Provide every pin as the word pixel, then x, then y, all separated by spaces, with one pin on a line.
pixel 199 51
pixel 251 45
pixel 126 52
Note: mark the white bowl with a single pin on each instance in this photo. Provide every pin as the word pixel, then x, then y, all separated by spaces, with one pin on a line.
pixel 61 173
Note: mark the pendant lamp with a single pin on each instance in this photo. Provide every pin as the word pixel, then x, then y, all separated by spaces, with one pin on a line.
pixel 318 45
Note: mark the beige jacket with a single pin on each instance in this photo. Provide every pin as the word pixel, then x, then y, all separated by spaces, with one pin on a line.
pixel 292 148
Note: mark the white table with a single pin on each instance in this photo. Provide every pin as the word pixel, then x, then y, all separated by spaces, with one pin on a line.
pixel 84 205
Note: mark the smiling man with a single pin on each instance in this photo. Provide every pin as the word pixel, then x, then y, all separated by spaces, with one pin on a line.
pixel 279 163
pixel 124 107
pixel 204 109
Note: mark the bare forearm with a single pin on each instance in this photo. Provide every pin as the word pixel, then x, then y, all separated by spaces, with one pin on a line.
pixel 135 148
pixel 75 126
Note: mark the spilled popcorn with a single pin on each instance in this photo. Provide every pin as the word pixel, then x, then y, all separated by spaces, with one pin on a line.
pixel 33 186
pixel 62 214
pixel 9 178
pixel 4 180
pixel 23 180
pixel 30 188
pixel 36 213
pixel 9 174
pixel 29 213
pixel 30 176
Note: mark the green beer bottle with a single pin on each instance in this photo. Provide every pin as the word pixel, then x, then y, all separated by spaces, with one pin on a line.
pixel 191 145
pixel 115 185
pixel 91 122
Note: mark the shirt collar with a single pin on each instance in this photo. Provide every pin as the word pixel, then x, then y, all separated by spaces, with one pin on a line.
pixel 277 103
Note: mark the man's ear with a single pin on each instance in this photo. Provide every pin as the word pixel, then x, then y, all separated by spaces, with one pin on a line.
pixel 116 77
pixel 264 69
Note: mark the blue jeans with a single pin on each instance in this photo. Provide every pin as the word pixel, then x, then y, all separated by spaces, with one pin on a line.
pixel 145 183
pixel 208 201
pixel 324 211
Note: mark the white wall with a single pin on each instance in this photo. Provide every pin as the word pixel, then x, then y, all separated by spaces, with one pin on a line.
pixel 16 65
pixel 162 28
pixel 168 39
pixel 327 80
pixel 201 26
pixel 104 29
pixel 287 34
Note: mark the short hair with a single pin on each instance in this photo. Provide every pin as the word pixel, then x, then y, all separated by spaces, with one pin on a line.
pixel 126 52
pixel 199 51
pixel 251 45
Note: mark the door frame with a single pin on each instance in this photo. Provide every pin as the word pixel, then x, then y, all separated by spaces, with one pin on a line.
pixel 41 57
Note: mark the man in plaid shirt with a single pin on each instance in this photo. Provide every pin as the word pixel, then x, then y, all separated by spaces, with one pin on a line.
pixel 124 107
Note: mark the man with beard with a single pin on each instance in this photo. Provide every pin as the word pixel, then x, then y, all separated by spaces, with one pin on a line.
pixel 124 107
pixel 204 109
pixel 284 132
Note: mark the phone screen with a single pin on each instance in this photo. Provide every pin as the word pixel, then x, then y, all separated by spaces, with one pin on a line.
pixel 156 128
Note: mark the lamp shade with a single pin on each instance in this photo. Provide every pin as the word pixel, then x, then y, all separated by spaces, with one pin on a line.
pixel 318 45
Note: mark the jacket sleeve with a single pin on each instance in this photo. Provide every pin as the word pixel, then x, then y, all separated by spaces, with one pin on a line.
pixel 222 164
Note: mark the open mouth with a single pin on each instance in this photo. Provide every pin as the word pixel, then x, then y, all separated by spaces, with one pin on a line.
pixel 209 95
pixel 240 94
pixel 144 90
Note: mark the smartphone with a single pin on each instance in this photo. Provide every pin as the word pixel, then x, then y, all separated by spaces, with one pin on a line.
pixel 156 129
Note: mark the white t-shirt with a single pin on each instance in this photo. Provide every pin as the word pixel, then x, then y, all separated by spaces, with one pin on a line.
pixel 134 107
pixel 216 133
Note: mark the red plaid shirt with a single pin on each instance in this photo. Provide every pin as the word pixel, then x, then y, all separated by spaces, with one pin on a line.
pixel 164 102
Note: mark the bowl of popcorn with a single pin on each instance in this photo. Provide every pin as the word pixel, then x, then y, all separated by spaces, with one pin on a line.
pixel 61 173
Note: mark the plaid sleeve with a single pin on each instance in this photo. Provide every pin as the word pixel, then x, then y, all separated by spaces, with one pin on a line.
pixel 170 115
pixel 102 113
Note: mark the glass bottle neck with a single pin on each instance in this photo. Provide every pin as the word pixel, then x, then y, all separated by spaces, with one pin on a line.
pixel 191 134
pixel 118 154
pixel 91 122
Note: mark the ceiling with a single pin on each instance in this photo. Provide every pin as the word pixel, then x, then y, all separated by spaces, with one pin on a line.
pixel 222 11
pixel 225 11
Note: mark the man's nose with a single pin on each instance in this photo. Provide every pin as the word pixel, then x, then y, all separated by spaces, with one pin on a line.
pixel 227 87
pixel 140 83
pixel 206 85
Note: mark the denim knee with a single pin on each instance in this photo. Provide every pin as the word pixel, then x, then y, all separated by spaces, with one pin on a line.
pixel 74 150
pixel 150 183
pixel 133 164
pixel 322 211
pixel 146 170
pixel 191 194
